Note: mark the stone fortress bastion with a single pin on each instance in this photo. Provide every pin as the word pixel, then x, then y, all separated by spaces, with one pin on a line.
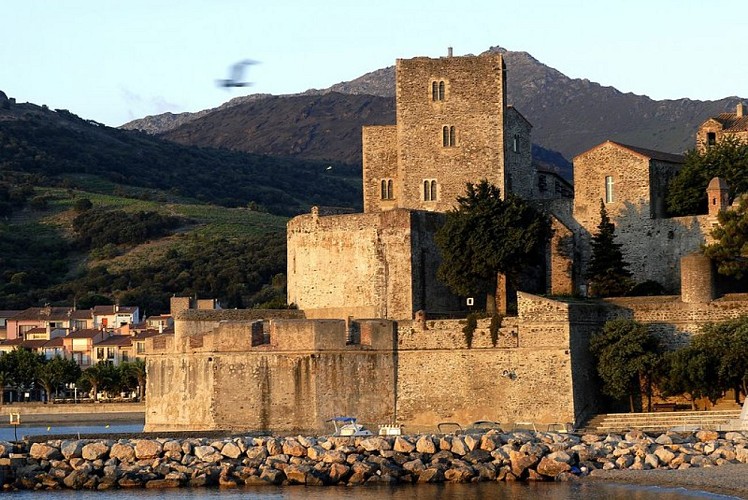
pixel 366 339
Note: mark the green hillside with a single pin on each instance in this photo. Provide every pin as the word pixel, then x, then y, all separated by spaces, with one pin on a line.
pixel 92 214
pixel 234 254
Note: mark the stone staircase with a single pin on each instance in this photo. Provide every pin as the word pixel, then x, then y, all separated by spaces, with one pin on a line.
pixel 659 421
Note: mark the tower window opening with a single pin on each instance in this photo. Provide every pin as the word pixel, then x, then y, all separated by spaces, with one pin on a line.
pixel 429 190
pixel 449 137
pixel 386 189
pixel 711 138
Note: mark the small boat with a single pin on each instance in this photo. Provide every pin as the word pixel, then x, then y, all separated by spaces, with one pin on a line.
pixel 347 426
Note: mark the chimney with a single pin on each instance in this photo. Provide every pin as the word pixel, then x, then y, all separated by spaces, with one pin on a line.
pixel 740 110
pixel 449 51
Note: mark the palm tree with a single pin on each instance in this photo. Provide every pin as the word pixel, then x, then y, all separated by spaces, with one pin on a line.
pixel 96 377
pixel 137 369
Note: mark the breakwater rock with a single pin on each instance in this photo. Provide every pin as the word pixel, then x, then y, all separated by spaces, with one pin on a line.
pixel 489 456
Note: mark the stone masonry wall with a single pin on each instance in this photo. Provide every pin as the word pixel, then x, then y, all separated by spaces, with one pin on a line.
pixel 306 374
pixel 673 320
pixel 651 246
pixel 358 265
pixel 474 104
pixel 379 162
pixel 518 147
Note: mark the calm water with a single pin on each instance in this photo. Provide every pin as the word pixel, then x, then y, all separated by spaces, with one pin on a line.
pixel 7 433
pixel 478 491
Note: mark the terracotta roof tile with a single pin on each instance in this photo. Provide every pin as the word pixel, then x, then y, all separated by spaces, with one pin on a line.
pixel 732 123
pixel 87 333
pixel 116 340
pixel 654 155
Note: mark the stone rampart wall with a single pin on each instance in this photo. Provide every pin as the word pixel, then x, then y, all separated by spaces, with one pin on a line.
pixel 674 320
pixel 358 262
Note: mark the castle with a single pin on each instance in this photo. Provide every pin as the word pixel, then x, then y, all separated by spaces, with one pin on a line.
pixel 363 341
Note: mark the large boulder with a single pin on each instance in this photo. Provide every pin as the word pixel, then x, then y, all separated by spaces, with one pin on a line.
pixel 147 449
pixel 425 445
pixel 43 451
pixel 95 451
pixel 122 452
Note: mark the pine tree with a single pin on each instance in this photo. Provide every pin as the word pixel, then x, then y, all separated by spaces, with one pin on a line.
pixel 607 271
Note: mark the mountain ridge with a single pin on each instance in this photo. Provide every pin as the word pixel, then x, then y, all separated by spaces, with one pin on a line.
pixel 569 115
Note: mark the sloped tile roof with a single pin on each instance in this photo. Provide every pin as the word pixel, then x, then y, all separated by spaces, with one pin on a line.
pixel 87 333
pixel 44 313
pixel 107 310
pixel 115 340
pixel 732 123
pixel 652 154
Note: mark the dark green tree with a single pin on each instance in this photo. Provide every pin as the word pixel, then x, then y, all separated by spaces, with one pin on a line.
pixel 627 356
pixel 133 375
pixel 727 344
pixel 730 250
pixel 485 236
pixel 607 271
pixel 51 374
pixel 21 366
pixel 728 159
pixel 688 371
pixel 96 378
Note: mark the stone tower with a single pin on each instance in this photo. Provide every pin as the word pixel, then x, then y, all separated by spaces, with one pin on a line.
pixel 718 195
pixel 453 127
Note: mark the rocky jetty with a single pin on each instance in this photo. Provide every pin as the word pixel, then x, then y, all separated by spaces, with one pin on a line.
pixel 490 456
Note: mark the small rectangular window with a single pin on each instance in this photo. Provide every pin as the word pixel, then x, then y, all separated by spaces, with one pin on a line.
pixel 711 138
pixel 609 196
pixel 515 144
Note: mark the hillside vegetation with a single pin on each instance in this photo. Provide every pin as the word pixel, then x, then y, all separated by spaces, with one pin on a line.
pixel 91 214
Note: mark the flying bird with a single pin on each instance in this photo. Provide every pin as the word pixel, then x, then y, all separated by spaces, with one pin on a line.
pixel 236 75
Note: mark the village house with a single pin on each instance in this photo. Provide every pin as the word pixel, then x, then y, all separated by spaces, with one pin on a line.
pixel 114 316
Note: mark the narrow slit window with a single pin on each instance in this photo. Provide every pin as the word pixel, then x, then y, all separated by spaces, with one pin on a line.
pixel 384 189
pixel 445 136
pixel 609 195
pixel 441 90
pixel 426 190
pixel 433 190
pixel 434 91
pixel 390 194
pixel 452 141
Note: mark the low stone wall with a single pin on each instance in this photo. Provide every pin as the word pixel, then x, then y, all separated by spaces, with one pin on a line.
pixel 427 458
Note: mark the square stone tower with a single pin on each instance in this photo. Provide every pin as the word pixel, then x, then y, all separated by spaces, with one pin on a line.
pixel 453 127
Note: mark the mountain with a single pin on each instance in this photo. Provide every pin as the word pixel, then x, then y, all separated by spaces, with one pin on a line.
pixel 568 115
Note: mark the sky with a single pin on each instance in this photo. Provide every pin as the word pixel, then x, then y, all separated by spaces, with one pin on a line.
pixel 114 61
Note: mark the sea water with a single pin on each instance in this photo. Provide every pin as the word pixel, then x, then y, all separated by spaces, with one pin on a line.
pixel 444 491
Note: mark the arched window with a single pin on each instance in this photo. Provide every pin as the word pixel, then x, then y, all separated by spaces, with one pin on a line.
pixel 426 190
pixel 441 90
pixel 390 194
pixel 452 141
pixel 434 91
pixel 433 190
pixel 445 136
pixel 384 189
